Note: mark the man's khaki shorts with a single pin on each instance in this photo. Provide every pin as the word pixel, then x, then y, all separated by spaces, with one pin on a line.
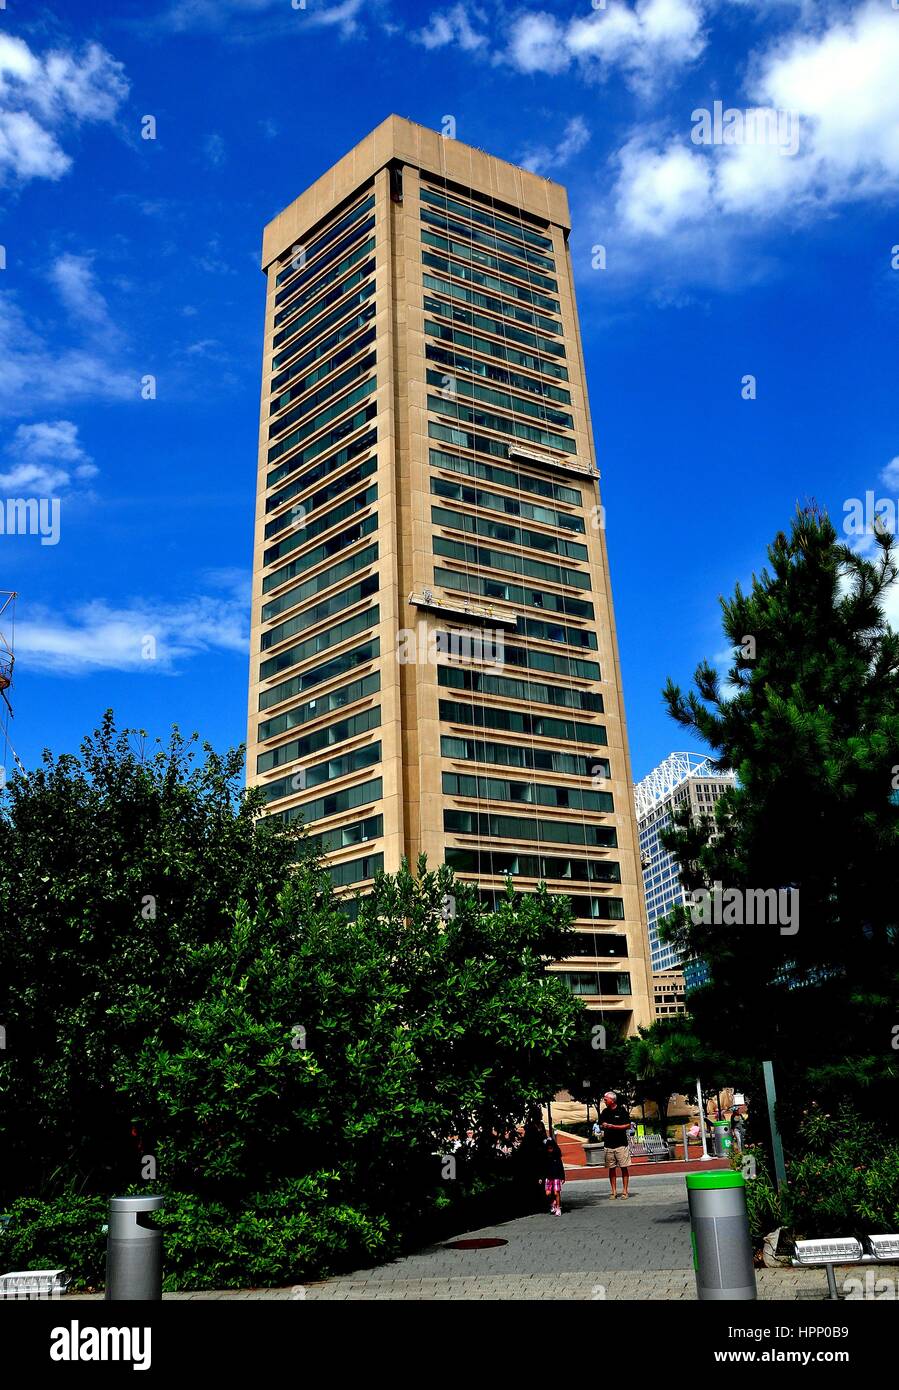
pixel 618 1158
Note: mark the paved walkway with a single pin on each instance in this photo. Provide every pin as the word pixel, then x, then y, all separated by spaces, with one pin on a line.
pixel 598 1249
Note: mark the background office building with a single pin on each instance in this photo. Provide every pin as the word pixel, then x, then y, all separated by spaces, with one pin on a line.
pixel 434 664
pixel 683 779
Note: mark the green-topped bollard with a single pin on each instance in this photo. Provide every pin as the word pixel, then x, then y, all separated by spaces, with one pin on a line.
pixel 722 1250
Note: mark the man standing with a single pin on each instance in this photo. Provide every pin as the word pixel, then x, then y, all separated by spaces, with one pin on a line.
pixel 616 1122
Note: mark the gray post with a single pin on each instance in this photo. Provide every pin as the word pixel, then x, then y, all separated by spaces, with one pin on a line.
pixel 722 1249
pixel 683 1130
pixel 133 1249
pixel 777 1148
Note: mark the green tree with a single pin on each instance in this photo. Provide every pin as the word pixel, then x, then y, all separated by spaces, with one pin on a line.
pixel 809 721
pixel 115 868
pixel 296 1068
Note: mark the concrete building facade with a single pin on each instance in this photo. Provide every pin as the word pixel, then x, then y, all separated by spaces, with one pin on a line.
pixel 434 664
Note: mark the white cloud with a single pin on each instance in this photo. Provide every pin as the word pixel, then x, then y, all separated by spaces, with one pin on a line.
pixel 41 96
pixel 45 459
pixel 185 15
pixel 640 40
pixel 836 88
pixel 73 278
pixel 452 26
pixel 547 159
pixel 37 373
pixel 141 636
pixel 659 190
pixel 890 474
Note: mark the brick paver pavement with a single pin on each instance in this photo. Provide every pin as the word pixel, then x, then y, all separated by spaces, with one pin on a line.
pixel 599 1249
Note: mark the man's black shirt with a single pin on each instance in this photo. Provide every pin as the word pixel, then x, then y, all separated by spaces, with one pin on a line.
pixel 614 1138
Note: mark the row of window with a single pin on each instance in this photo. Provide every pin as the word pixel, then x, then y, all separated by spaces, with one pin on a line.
pixel 363 794
pixel 509 862
pixel 521 755
pixel 486 587
pixel 517 230
pixel 464 270
pixel 300 386
pixel 326 737
pixel 357 532
pixel 286 335
pixel 320 446
pixel 452 386
pixel 516 429
pixel 323 469
pixel 489 824
pixel 535 692
pixel 336 603
pixel 323 580
pixel 306 531
pixel 307 777
pixel 331 387
pixel 517 381
pixel 533 660
pixel 501 308
pixel 525 793
pixel 488 239
pixel 468 318
pixel 321 241
pixel 329 670
pixel 504 352
pixel 511 535
pixel 509 506
pixel 297 515
pixel 323 704
pixel 322 325
pixel 323 418
pixel 597 944
pixel 461 250
pixel 504 477
pixel 359 253
pixel 320 643
pixel 358 832
pixel 595 982
pixel 320 347
pixel 484 557
pixel 356 870
pixel 521 722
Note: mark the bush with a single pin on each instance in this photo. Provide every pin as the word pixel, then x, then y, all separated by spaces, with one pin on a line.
pixel 64 1233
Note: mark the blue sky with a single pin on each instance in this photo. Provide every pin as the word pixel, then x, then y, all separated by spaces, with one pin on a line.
pixel 127 257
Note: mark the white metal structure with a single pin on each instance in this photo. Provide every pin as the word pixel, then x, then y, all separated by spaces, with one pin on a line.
pixel 671 774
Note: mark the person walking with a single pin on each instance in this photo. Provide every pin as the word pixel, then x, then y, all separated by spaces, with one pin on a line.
pixel 555 1174
pixel 616 1123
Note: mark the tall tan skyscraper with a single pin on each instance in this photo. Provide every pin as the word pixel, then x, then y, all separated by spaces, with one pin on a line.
pixel 434 664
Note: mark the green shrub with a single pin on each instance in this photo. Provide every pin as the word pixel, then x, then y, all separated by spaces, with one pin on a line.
pixel 64 1233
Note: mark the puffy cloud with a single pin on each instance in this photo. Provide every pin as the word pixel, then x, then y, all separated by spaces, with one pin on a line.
pixel 141 635
pixel 39 373
pixel 73 278
pixel 453 26
pixel 640 41
pixel 831 97
pixel 45 459
pixel 39 96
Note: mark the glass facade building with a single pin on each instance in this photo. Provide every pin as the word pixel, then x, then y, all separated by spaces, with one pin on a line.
pixel 434 665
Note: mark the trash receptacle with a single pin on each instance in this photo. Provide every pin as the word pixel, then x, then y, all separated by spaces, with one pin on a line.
pixel 722 1250
pixel 133 1249
pixel 722 1138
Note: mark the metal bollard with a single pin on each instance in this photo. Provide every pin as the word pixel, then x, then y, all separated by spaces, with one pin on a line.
pixel 133 1249
pixel 722 1250
pixel 722 1139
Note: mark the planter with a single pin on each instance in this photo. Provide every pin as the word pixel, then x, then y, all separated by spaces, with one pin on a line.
pixel 596 1155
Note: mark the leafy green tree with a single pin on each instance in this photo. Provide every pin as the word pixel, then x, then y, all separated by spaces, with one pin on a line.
pixel 665 1060
pixel 115 869
pixel 292 1071
pixel 599 1061
pixel 809 721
